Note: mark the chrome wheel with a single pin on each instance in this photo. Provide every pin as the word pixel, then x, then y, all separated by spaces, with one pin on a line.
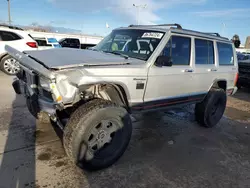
pixel 11 66
pixel 101 136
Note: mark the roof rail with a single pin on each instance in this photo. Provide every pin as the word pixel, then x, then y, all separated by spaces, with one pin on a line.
pixel 11 27
pixel 216 34
pixel 178 26
pixel 205 33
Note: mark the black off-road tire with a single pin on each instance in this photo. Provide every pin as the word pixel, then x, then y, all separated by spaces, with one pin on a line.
pixel 81 122
pixel 209 112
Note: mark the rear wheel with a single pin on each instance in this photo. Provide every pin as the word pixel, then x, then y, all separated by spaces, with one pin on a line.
pixel 97 134
pixel 9 65
pixel 209 112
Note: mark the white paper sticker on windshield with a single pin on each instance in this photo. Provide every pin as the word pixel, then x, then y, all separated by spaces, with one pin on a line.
pixel 152 35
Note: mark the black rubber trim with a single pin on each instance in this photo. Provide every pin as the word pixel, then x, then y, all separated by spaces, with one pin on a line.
pixel 167 102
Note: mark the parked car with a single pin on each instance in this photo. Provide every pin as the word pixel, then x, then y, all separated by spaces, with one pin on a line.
pixel 46 43
pixel 240 56
pixel 17 38
pixel 70 43
pixel 244 73
pixel 74 43
pixel 95 91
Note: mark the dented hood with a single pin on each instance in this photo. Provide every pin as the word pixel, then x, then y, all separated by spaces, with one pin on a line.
pixel 60 58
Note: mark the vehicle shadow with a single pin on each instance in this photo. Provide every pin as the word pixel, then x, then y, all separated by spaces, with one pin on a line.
pixel 169 150
pixel 150 156
pixel 243 94
pixel 17 160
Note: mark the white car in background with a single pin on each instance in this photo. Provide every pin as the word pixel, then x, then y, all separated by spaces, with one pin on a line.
pixel 17 38
pixel 45 43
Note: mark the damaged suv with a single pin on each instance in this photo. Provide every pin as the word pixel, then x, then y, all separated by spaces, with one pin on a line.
pixel 134 69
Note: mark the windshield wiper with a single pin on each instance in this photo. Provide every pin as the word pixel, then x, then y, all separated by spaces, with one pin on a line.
pixel 117 53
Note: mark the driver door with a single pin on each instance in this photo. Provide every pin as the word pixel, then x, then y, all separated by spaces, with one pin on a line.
pixel 171 85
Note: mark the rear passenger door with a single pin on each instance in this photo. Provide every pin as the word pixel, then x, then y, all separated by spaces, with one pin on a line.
pixel 205 67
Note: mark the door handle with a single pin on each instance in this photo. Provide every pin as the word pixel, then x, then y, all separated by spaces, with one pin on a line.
pixel 188 70
pixel 212 70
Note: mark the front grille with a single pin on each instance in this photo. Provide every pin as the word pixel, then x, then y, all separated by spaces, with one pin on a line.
pixel 31 79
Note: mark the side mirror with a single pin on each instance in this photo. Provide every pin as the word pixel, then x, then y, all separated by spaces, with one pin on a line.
pixel 163 61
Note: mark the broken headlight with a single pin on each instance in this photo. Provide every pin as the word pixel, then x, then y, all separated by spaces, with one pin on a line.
pixel 45 83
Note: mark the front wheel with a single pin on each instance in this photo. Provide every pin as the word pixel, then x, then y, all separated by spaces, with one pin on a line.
pixel 97 134
pixel 9 65
pixel 209 112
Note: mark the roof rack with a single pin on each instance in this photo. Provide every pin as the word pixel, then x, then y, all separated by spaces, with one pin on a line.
pixel 11 27
pixel 178 26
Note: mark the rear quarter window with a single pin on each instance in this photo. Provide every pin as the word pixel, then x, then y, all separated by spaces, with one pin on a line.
pixel 9 36
pixel 225 53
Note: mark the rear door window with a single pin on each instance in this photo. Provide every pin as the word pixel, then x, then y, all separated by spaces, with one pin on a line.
pixel 225 52
pixel 9 36
pixel 204 52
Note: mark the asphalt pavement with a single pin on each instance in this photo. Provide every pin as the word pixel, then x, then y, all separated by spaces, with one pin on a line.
pixel 167 149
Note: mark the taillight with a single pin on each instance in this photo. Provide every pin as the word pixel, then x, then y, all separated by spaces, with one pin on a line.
pixel 236 79
pixel 32 44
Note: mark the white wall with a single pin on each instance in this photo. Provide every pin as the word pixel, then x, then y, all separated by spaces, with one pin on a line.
pixel 84 39
pixel 241 50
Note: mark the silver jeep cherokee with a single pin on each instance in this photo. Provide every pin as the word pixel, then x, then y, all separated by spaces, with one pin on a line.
pixel 134 69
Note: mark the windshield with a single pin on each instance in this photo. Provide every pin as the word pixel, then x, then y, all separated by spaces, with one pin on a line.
pixel 133 43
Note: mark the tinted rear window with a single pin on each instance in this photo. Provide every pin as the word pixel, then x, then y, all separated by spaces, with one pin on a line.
pixel 9 36
pixel 225 52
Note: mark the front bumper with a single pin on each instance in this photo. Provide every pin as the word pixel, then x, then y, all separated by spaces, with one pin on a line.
pixel 35 103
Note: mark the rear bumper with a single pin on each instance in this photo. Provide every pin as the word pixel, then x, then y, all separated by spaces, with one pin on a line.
pixel 35 103
pixel 232 91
